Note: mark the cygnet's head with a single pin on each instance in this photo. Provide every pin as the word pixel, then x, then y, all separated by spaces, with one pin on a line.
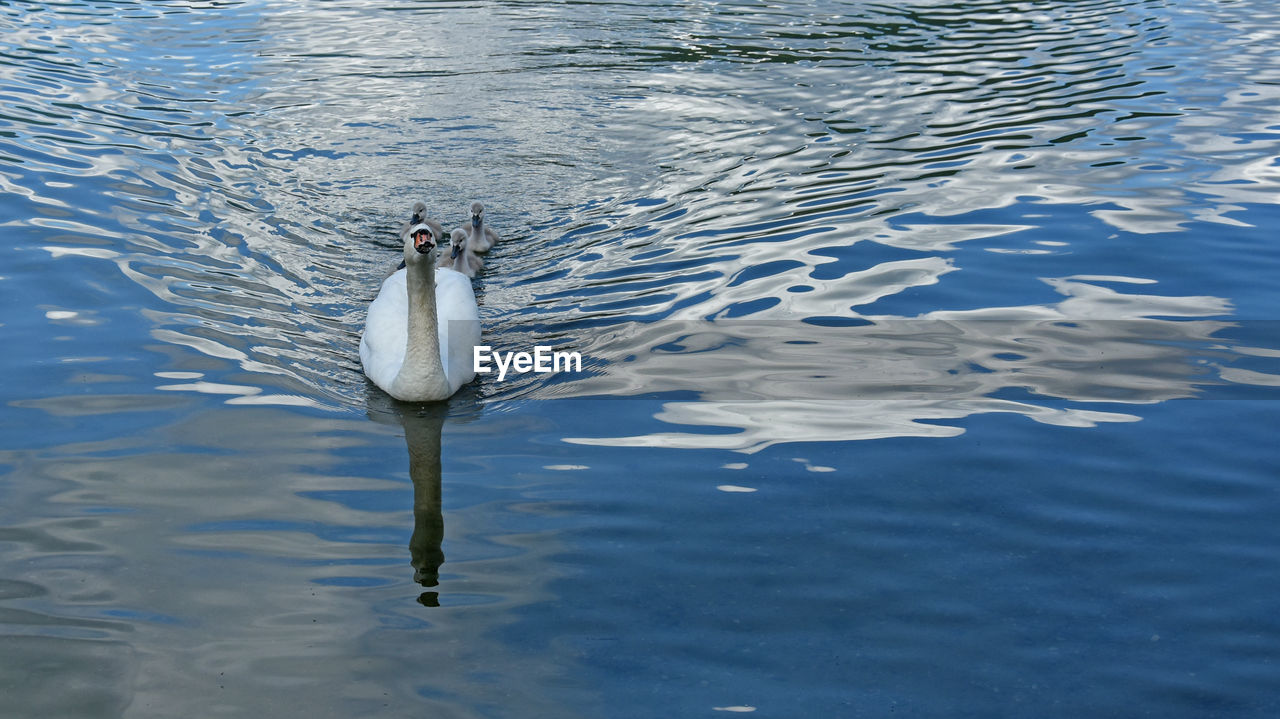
pixel 420 244
pixel 477 210
pixel 457 242
pixel 419 212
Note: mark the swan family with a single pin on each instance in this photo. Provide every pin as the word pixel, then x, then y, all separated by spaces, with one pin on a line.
pixel 424 324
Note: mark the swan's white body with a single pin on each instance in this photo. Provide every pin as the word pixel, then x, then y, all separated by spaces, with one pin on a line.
pixel 421 332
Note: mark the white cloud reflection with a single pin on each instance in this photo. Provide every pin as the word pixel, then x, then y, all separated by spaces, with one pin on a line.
pixel 778 382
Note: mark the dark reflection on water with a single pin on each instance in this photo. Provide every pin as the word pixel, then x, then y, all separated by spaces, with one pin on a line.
pixel 422 429
pixel 422 435
pixel 773 229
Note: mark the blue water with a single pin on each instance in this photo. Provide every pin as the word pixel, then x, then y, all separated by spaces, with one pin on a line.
pixel 930 360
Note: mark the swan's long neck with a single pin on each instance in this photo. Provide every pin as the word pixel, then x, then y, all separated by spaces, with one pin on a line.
pixel 421 377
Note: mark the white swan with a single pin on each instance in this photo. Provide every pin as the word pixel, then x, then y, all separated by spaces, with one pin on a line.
pixel 422 327
pixel 479 237
pixel 461 258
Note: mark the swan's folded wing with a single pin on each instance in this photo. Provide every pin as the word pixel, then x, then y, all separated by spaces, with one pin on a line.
pixel 459 322
pixel 386 333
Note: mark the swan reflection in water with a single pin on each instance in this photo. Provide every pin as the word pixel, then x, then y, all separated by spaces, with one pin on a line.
pixel 422 427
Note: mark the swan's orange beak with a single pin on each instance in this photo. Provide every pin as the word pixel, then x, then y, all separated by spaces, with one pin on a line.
pixel 422 242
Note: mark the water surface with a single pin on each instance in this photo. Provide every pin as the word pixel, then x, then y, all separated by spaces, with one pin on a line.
pixel 929 350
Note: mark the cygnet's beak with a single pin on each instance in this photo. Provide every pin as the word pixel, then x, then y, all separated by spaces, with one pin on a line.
pixel 475 220
pixel 457 250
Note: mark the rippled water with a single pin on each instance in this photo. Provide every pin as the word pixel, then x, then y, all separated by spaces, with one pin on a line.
pixel 929 351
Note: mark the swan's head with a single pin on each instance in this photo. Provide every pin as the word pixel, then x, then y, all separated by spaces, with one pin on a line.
pixel 420 244
pixel 477 210
pixel 419 212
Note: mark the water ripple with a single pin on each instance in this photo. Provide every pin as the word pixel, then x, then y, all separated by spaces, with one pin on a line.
pixel 644 162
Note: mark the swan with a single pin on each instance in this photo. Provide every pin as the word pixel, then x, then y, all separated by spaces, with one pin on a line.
pixel 481 238
pixel 418 340
pixel 462 258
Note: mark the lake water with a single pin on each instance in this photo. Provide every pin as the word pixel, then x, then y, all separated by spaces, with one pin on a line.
pixel 930 360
